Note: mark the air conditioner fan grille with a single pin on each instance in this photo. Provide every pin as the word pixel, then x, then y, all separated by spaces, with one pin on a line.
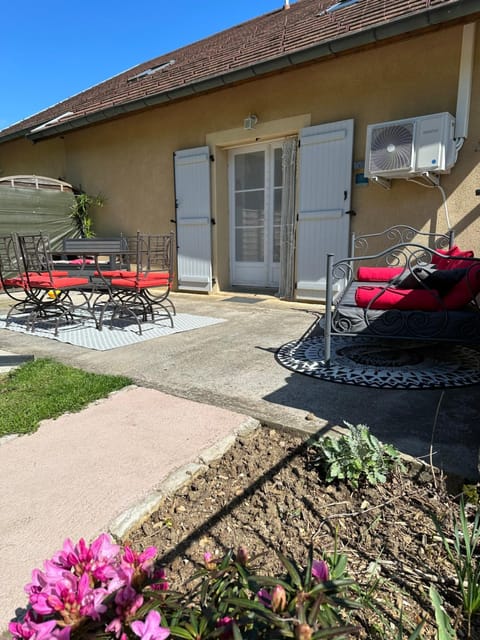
pixel 391 148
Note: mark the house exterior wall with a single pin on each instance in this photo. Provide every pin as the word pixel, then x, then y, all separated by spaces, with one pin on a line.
pixel 130 160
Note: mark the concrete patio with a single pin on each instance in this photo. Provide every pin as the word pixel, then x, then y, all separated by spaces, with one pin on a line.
pixel 232 365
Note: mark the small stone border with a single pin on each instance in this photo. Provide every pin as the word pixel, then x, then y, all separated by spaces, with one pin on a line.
pixel 137 514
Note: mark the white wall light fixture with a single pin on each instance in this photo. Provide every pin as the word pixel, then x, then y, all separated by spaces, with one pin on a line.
pixel 250 122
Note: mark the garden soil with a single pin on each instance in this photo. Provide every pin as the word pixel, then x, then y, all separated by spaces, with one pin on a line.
pixel 266 494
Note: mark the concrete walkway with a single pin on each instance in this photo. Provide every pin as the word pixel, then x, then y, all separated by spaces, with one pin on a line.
pixel 102 469
pixel 230 369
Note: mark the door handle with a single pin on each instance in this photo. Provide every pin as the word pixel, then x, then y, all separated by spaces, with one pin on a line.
pixel 350 212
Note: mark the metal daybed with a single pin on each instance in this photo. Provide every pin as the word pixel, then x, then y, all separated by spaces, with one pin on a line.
pixel 421 287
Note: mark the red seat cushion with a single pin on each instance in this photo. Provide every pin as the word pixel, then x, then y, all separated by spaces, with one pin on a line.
pixel 59 283
pixel 81 261
pixel 16 281
pixel 110 274
pixel 465 290
pixel 142 282
pixel 378 274
pixel 153 275
pixel 404 299
pixel 161 276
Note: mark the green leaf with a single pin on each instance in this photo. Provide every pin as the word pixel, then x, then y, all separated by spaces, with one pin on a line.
pixel 445 630
pixel 291 569
pixel 179 632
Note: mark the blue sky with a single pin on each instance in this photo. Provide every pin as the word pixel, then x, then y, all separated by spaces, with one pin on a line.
pixel 53 49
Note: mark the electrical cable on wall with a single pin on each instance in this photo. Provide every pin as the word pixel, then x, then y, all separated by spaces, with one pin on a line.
pixel 444 197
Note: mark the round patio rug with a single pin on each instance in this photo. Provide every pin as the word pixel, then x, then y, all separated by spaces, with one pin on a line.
pixel 385 365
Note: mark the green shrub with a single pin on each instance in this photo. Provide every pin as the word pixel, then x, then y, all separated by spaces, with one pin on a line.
pixel 357 457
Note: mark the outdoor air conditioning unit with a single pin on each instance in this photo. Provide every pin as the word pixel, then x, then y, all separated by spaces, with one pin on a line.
pixel 410 147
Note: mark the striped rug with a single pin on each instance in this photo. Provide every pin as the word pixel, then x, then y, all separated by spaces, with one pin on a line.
pixel 84 334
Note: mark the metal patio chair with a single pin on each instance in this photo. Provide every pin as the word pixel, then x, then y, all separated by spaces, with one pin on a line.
pixel 48 291
pixel 10 268
pixel 142 292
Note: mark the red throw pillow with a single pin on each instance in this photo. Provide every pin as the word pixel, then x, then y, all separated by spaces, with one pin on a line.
pixel 445 263
pixel 404 299
pixel 466 290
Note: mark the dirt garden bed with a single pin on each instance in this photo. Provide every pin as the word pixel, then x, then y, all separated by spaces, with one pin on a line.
pixel 264 494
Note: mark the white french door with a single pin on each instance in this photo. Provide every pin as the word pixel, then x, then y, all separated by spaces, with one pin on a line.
pixel 255 176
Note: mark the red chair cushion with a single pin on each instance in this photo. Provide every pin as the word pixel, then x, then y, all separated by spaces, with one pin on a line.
pixel 142 282
pixel 404 299
pixel 132 275
pixel 59 283
pixel 16 281
pixel 110 274
pixel 378 274
pixel 81 261
pixel 465 290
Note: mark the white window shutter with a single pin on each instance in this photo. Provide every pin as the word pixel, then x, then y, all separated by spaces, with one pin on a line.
pixel 324 186
pixel 193 207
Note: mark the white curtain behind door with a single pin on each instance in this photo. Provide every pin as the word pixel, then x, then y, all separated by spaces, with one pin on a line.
pixel 287 220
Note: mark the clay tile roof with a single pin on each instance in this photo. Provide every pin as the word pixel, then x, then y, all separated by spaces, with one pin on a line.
pixel 282 37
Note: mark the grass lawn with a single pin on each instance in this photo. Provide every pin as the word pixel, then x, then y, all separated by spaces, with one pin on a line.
pixel 46 389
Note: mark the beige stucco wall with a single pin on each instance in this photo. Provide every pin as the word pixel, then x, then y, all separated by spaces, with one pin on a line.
pixel 130 160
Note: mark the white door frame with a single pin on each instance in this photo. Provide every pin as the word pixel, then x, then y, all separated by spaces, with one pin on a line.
pixel 255 274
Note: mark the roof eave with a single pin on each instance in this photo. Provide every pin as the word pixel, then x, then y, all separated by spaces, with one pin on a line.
pixel 376 33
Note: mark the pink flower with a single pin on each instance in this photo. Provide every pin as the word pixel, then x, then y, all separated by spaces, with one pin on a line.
pixel 82 558
pixel 161 583
pixel 115 627
pixel 279 598
pixel 72 556
pixel 142 561
pixel 33 630
pixel 265 598
pixel 243 556
pixel 128 602
pixel 226 624
pixel 277 601
pixel 150 629
pixel 320 570
pixel 209 561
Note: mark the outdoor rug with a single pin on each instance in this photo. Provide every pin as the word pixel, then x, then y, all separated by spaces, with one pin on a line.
pixel 84 334
pixel 382 364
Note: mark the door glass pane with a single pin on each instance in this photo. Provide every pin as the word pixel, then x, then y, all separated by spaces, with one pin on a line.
pixel 249 209
pixel 249 226
pixel 250 170
pixel 249 244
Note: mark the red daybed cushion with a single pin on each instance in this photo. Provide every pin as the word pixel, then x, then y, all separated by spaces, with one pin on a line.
pixel 378 274
pixel 403 299
pixel 384 274
pixel 465 290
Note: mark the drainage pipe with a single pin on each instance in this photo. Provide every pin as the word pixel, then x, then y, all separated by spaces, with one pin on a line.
pixel 465 82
